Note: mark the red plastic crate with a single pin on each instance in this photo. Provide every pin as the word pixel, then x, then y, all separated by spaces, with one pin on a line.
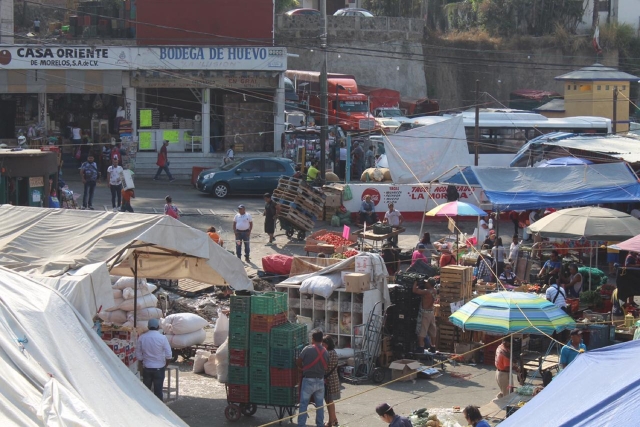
pixel 238 393
pixel 237 357
pixel 284 377
pixel 264 323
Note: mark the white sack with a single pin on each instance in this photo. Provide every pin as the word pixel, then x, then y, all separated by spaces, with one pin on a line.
pixel 117 293
pixel 221 330
pixel 321 285
pixel 187 340
pixel 116 304
pixel 141 325
pixel 127 282
pixel 146 314
pixel 183 323
pixel 117 316
pixel 222 362
pixel 210 367
pixel 128 293
pixel 142 302
pixel 202 356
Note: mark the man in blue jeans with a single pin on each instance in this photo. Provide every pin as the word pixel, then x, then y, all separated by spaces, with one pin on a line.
pixel 153 353
pixel 313 361
pixel 89 174
pixel 242 226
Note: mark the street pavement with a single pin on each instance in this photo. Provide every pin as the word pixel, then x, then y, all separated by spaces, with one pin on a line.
pixel 203 400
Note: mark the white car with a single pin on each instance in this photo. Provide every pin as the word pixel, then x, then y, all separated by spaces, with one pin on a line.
pixel 388 125
pixel 390 113
pixel 353 11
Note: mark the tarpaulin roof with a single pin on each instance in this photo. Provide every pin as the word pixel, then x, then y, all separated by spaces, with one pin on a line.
pixel 599 388
pixel 50 242
pixel 56 371
pixel 534 188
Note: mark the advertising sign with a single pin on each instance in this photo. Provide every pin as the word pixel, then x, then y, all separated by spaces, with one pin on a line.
pixel 47 57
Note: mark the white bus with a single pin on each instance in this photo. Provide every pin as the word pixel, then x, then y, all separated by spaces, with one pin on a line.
pixel 504 131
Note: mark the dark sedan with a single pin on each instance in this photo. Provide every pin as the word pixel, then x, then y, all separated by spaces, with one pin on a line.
pixel 245 176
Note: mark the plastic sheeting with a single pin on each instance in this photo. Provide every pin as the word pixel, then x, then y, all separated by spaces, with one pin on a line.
pixel 426 151
pixel 56 371
pixel 599 388
pixel 534 188
pixel 50 242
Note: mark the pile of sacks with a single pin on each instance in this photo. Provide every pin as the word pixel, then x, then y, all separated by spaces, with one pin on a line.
pixel 121 313
pixel 184 329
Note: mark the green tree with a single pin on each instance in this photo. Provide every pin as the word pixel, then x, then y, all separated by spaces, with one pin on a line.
pixel 284 5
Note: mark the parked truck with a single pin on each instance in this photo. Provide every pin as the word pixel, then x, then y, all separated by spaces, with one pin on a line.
pixel 348 108
pixel 384 103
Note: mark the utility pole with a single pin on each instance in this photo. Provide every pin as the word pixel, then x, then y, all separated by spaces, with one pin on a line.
pixel 615 110
pixel 476 133
pixel 324 104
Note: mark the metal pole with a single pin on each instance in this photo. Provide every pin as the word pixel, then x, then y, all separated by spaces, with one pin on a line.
pixel 347 169
pixel 135 290
pixel 337 106
pixel 323 93
pixel 476 134
pixel 615 113
pixel 511 364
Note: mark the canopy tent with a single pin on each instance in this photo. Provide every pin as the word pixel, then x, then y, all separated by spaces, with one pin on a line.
pixel 533 188
pixel 599 388
pixel 88 288
pixel 57 371
pixel 426 151
pixel 632 244
pixel 50 242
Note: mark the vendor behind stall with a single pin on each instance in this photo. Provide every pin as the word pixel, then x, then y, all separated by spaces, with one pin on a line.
pixel 550 271
pixel 446 257
pixel 508 277
pixel 573 348
pixel 368 211
pixel 574 282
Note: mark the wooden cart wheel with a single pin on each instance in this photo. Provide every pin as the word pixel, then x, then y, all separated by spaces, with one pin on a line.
pixel 289 233
pixel 248 409
pixel 232 412
pixel 378 375
pixel 302 235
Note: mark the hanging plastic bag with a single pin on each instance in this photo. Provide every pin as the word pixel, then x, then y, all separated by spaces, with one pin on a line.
pixel 347 194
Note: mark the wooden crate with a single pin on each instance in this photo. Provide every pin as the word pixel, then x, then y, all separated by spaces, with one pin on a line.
pixel 456 274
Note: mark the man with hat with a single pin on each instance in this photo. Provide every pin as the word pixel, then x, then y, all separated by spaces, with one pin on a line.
pixel 418 254
pixel 153 353
pixel 242 226
pixel 387 414
pixel 163 162
pixel 572 349
pixel 269 218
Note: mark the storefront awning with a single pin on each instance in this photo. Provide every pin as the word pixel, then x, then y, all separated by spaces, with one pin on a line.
pixel 164 79
pixel 60 81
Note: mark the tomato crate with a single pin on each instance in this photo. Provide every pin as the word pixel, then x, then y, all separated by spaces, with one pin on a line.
pixel 259 374
pixel 259 356
pixel 239 321
pixel 284 377
pixel 264 323
pixel 284 358
pixel 240 304
pixel 239 339
pixel 289 335
pixel 269 303
pixel 238 393
pixel 259 393
pixel 238 375
pixel 237 357
pixel 259 339
pixel 284 396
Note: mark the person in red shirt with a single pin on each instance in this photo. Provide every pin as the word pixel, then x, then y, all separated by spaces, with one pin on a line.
pixel 502 362
pixel 215 236
pixel 163 163
pixel 447 258
pixel 127 195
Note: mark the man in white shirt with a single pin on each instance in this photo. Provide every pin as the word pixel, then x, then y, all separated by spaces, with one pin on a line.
pixel 115 184
pixel 393 218
pixel 242 226
pixel 556 294
pixel 514 249
pixel 153 353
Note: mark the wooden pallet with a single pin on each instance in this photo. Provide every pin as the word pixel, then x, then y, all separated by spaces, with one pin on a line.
pixel 191 288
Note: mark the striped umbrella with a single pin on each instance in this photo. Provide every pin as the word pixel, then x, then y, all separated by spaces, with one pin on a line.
pixel 503 313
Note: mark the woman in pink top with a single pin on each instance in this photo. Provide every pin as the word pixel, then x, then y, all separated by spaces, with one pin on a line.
pixel 419 254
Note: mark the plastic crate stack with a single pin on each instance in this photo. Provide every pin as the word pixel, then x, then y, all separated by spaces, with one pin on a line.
pixel 455 285
pixel 239 320
pixel 268 310
pixel 286 342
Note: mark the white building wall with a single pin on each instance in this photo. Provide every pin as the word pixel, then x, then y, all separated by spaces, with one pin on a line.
pixel 622 12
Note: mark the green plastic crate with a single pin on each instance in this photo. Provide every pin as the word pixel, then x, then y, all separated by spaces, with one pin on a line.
pixel 269 303
pixel 240 304
pixel 259 356
pixel 238 375
pixel 259 374
pixel 284 358
pixel 284 396
pixel 259 393
pixel 289 336
pixel 239 340
pixel 239 321
pixel 259 339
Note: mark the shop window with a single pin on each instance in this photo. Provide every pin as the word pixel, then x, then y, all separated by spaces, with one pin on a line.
pixel 599 87
pixel 568 87
pixel 606 87
pixel 575 87
pixel 624 87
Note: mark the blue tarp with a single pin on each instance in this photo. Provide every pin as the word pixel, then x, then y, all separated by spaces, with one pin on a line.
pixel 599 388
pixel 535 188
pixel 465 176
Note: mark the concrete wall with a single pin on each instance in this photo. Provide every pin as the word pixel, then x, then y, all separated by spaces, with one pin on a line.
pixel 381 51
pixel 6 21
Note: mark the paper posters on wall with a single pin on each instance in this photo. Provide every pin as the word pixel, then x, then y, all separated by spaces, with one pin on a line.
pixel 145 141
pixel 173 136
pixel 146 119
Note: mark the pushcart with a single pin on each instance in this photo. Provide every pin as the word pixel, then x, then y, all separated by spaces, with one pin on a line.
pixel 365 358
pixel 290 229
pixel 235 409
pixel 189 352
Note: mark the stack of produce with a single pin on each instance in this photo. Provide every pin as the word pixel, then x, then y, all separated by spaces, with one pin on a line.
pixel 286 343
pixel 238 378
pixel 298 202
pixel 121 314
pixel 184 329
pixel 455 285
pixel 328 242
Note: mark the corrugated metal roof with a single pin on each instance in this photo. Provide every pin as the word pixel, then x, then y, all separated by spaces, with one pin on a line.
pixel 626 148
pixel 555 105
pixel 597 72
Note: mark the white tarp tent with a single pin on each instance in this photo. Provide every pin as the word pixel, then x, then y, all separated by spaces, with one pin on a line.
pixel 88 288
pixel 426 151
pixel 50 242
pixel 56 371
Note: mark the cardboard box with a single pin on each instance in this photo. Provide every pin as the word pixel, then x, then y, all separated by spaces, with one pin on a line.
pixel 357 282
pixel 468 349
pixel 333 200
pixel 406 368
pixel 343 274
